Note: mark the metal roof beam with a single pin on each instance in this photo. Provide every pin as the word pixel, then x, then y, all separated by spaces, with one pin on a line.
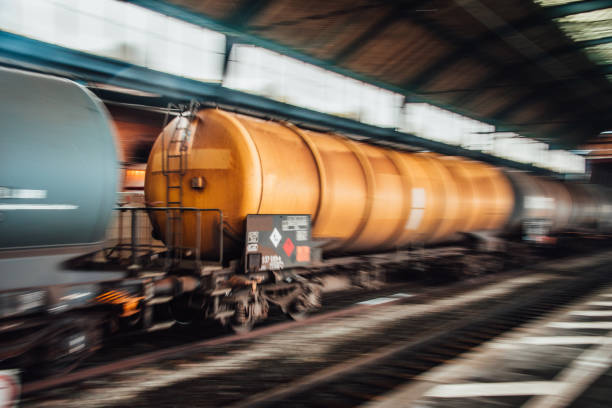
pixel 520 75
pixel 533 52
pixel 496 35
pixel 491 81
pixel 569 9
pixel 474 49
pixel 229 44
pixel 591 43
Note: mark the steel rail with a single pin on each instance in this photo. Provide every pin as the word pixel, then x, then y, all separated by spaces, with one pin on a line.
pixel 127 363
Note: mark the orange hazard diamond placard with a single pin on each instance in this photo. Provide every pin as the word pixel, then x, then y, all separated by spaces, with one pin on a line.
pixel 302 254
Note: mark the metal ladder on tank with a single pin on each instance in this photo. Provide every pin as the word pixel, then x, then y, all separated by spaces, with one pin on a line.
pixel 174 166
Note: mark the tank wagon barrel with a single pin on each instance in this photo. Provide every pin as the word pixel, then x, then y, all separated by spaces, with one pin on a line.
pixel 360 197
pixel 58 177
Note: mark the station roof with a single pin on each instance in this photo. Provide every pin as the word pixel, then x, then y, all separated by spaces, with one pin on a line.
pixel 542 68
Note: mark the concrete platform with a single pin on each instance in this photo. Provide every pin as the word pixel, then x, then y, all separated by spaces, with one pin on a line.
pixel 563 360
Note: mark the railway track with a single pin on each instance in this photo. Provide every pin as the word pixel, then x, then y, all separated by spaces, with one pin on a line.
pixel 346 356
pixel 337 306
pixel 363 379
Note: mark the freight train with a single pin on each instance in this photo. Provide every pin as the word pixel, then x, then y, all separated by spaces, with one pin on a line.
pixel 252 214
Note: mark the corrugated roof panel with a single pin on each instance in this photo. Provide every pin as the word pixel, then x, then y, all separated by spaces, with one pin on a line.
pixel 292 13
pixel 340 35
pixel 464 24
pixel 216 9
pixel 501 52
pixel 454 18
pixel 304 25
pixel 459 75
pixel 400 52
pixel 446 98
pixel 532 111
pixel 491 101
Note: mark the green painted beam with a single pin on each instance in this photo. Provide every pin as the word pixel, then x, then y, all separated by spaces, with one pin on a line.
pixel 594 42
pixel 576 8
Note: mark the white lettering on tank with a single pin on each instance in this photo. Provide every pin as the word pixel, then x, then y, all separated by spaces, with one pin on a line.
pixel 21 193
pixel 15 207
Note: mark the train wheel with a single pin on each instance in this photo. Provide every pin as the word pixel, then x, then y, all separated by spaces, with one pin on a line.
pixel 247 312
pixel 308 301
pixel 242 322
pixel 68 344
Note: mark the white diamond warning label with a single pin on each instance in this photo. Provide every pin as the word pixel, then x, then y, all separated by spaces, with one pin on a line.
pixel 275 237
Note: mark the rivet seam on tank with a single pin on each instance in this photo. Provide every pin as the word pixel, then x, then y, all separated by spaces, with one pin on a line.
pixel 368 172
pixel 314 150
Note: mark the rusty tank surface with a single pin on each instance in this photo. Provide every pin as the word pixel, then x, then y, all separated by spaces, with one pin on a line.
pixel 361 197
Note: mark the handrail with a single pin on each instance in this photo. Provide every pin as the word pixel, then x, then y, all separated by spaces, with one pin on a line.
pixel 134 245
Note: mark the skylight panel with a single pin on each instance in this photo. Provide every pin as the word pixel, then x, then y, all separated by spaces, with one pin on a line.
pixel 600 54
pixel 549 3
pixel 591 25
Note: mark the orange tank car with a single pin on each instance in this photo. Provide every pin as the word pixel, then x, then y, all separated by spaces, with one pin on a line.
pixel 361 197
